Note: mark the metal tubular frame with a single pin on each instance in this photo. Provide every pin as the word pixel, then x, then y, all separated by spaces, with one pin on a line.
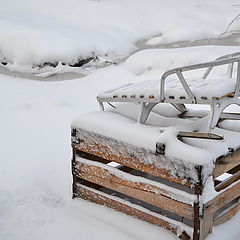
pixel 208 65
pixel 217 105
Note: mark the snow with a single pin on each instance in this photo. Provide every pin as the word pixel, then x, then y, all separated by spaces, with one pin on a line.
pixel 35 186
pixel 35 172
pixel 209 191
pixel 33 32
pixel 207 88
pixel 35 168
pixel 180 226
pixel 152 62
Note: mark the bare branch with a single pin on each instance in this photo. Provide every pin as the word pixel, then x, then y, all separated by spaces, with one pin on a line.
pixel 229 25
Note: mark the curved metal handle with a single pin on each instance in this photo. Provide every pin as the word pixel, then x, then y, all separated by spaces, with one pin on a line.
pixel 224 61
pixel 230 67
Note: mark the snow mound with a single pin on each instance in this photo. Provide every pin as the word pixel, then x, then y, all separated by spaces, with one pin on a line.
pixel 33 33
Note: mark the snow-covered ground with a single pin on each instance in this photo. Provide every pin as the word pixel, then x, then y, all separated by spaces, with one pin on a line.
pixel 35 32
pixel 35 174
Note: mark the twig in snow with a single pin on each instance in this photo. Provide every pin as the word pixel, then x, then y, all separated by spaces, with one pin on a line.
pixel 229 25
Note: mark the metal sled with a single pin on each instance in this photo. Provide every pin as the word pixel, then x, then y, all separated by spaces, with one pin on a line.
pixel 221 92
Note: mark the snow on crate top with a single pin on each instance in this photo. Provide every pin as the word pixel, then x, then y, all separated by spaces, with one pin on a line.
pixel 201 89
pixel 120 124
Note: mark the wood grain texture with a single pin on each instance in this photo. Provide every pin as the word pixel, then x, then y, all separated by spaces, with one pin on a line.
pixel 97 197
pixel 228 182
pixel 131 156
pixel 142 191
pixel 200 135
pixel 206 222
pixel 226 163
pixel 224 198
pixel 227 216
pixel 101 150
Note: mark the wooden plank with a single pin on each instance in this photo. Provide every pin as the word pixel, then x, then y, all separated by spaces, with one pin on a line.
pixel 209 136
pixel 234 170
pixel 227 216
pixel 145 192
pixel 74 178
pixel 226 163
pixel 206 222
pixel 101 160
pixel 225 197
pixel 215 204
pixel 228 182
pixel 184 236
pixel 97 197
pixel 91 157
pixel 196 222
pixel 126 155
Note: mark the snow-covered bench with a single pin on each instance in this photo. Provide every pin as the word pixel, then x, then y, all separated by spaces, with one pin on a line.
pixel 217 92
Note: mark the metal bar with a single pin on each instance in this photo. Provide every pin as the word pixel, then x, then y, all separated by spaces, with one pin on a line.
pixel 162 86
pixel 228 56
pixel 101 106
pixel 202 65
pixel 139 100
pixel 210 65
pixel 141 110
pixel 207 72
pixel 230 70
pixel 221 58
pixel 185 86
pixel 180 107
pixel 236 94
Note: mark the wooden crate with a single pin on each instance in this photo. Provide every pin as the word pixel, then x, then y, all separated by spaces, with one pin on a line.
pixel 112 173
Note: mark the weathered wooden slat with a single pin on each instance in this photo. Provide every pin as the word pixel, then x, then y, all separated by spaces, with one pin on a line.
pixel 91 157
pixel 227 216
pixel 228 182
pixel 117 204
pixel 98 159
pixel 225 197
pixel 206 222
pixel 209 136
pixel 112 150
pixel 97 177
pixel 234 170
pixel 226 163
pixel 145 192
pixel 215 204
pixel 196 222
